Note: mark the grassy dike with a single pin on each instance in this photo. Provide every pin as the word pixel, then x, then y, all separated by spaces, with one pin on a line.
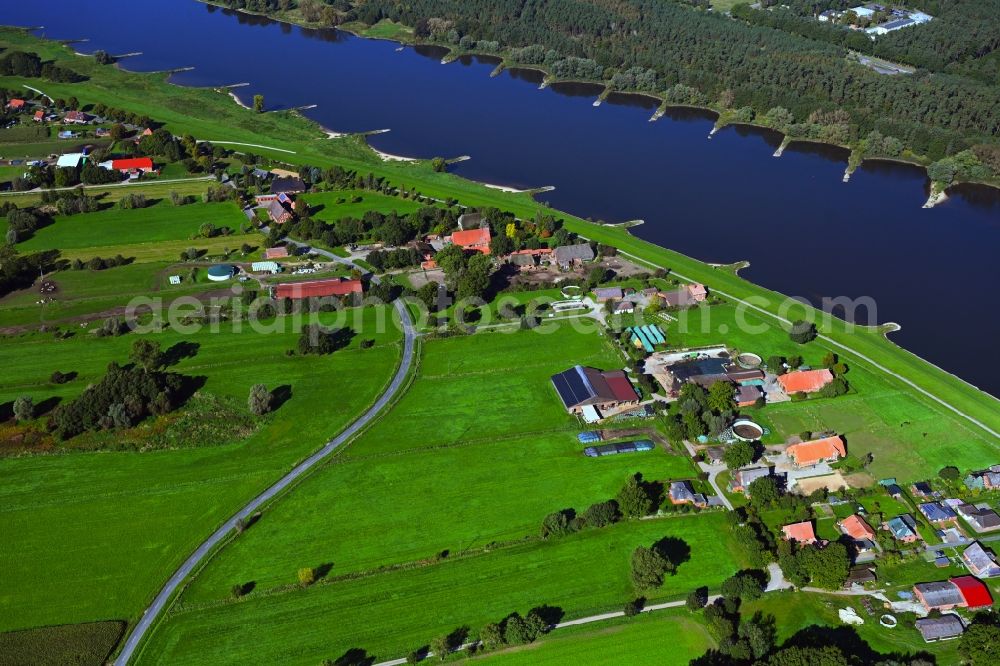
pixel 211 115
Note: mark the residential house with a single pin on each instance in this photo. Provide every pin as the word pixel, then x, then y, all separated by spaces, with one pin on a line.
pixel 857 528
pixel 980 562
pixel 805 381
pixel 742 478
pixel 318 288
pixel 814 452
pixel 528 259
pixel 477 240
pixel 987 479
pixel 581 388
pixel 16 104
pixel 958 592
pixel 941 628
pixel 566 256
pixel 903 528
pixel 77 117
pixel 624 307
pixel 278 212
pixel 801 533
pixel 684 296
pixel 714 455
pixel 922 489
pixel 681 492
pixel 279 252
pixel 39 116
pixel 982 518
pixel 936 513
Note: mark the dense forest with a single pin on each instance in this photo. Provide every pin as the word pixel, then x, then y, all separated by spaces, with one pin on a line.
pixel 699 57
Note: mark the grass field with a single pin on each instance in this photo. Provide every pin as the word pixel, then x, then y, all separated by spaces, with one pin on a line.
pixel 331 211
pixel 511 476
pixel 673 635
pixel 580 574
pixel 111 526
pixel 909 436
pixel 160 222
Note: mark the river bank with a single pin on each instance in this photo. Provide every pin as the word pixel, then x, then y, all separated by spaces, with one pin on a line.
pixel 450 53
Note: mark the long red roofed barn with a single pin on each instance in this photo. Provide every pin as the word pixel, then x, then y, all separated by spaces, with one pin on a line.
pixel 318 288
pixel 473 239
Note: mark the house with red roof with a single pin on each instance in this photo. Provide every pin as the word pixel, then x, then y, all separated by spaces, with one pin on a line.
pixel 805 381
pixel 814 452
pixel 802 533
pixel 318 288
pixel 958 592
pixel 16 104
pixel 39 116
pixel 857 528
pixel 132 166
pixel 77 117
pixel 477 240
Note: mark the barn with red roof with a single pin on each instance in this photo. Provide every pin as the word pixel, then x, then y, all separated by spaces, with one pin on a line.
pixel 318 288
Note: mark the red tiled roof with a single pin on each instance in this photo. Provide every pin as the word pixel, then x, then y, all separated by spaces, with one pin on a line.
pixel 132 163
pixel 16 103
pixel 319 288
pixel 474 239
pixel 620 386
pixel 974 591
pixel 856 528
pixel 805 381
pixel 801 532
pixel 812 452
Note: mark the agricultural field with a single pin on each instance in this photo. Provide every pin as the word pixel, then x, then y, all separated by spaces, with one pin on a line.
pixel 642 640
pixel 111 526
pixel 579 574
pixel 511 479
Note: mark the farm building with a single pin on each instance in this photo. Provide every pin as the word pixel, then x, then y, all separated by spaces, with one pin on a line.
pixel 221 272
pixel 814 452
pixel 688 295
pixel 130 166
pixel 581 388
pixel 566 256
pixel 604 294
pixel 527 260
pixel 940 628
pixel 16 104
pixel 279 252
pixel 287 185
pixel 621 447
pixel 265 267
pixel 959 592
pixel 805 381
pixel 318 288
pixel 476 240
pixel 802 533
pixel 980 561
pixel 70 160
pixel 589 437
pixel 747 396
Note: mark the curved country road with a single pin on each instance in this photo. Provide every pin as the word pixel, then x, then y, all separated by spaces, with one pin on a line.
pixel 162 599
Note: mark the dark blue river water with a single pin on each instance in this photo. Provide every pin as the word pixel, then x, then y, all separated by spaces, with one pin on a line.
pixel 804 231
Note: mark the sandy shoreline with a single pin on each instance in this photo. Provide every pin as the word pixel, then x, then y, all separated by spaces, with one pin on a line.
pixel 389 157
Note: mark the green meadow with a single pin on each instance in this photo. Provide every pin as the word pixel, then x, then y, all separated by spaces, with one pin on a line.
pixel 645 639
pixel 112 526
pixel 510 477
pixel 160 222
pixel 389 614
pixel 331 211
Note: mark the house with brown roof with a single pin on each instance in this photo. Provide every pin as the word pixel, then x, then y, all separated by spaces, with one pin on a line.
pixel 77 117
pixel 805 381
pixel 684 296
pixel 748 395
pixel 581 387
pixel 278 213
pixel 942 628
pixel 982 518
pixel 814 452
pixel 802 533
pixel 279 252
pixel 477 240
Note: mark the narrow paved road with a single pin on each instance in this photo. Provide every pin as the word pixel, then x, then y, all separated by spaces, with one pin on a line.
pixel 162 600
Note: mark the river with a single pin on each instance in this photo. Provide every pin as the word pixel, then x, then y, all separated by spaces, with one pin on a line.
pixel 725 199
